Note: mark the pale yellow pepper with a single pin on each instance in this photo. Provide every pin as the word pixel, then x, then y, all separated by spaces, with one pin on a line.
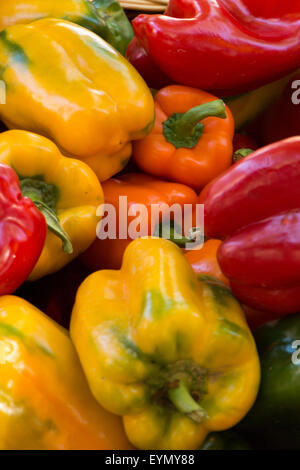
pixel 68 84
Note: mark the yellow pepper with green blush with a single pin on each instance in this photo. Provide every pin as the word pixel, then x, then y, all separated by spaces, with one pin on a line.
pixel 66 191
pixel 104 17
pixel 167 350
pixel 66 83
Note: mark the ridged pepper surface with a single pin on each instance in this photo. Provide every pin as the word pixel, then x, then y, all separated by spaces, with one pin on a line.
pixel 170 353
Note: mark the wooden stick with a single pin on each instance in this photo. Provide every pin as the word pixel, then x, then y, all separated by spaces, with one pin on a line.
pixel 139 6
pixel 140 2
pixel 152 4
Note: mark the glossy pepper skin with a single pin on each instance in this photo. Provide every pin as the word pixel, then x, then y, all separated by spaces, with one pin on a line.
pixel 273 422
pixel 67 186
pixel 103 17
pixel 180 147
pixel 170 353
pixel 22 233
pixel 138 188
pixel 254 207
pixel 45 400
pixel 223 46
pixel 245 107
pixel 92 104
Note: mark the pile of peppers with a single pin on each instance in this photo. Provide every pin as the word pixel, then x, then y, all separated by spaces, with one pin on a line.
pixel 153 340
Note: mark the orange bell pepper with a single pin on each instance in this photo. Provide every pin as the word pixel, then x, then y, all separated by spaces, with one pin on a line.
pixel 204 261
pixel 139 189
pixel 191 142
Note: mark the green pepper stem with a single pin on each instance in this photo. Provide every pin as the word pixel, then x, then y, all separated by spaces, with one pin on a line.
pixel 184 402
pixel 240 154
pixel 177 238
pixel 185 126
pixel 185 130
pixel 54 225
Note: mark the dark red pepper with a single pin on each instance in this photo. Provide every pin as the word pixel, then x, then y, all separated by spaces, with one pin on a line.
pixel 142 62
pixel 255 208
pixel 22 233
pixel 263 184
pixel 269 248
pixel 224 46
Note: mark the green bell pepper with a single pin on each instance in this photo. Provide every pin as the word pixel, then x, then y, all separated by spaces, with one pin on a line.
pixel 274 420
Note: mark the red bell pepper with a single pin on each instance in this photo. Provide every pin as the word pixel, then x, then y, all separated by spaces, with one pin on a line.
pixel 255 207
pixel 22 233
pixel 224 46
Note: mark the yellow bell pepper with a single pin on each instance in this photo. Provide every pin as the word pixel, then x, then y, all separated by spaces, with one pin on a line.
pixel 45 402
pixel 169 352
pixel 68 84
pixel 65 190
pixel 103 17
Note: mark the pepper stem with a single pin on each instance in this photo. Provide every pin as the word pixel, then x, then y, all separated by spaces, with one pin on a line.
pixel 53 224
pixel 240 154
pixel 172 233
pixel 43 197
pixel 177 238
pixel 184 402
pixel 185 129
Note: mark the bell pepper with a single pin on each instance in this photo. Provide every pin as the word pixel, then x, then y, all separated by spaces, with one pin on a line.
pixel 22 233
pixel 273 422
pixel 45 402
pixel 103 17
pixel 254 208
pixel 223 46
pixel 180 147
pixel 170 353
pixel 92 104
pixel 204 260
pixel 138 189
pixel 66 191
pixel 245 107
pixel 281 120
